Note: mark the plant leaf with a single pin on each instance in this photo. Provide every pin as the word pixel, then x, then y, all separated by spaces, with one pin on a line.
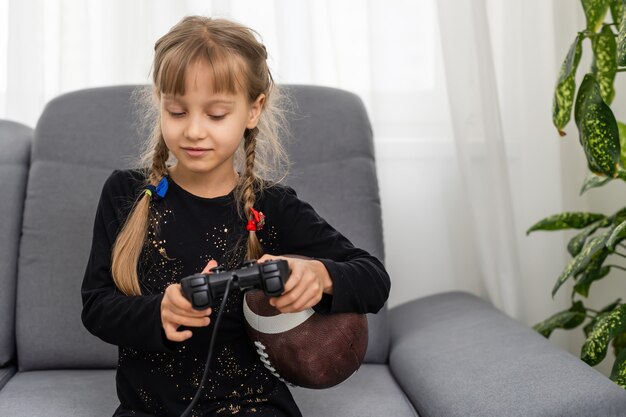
pixel 567 220
pixel 604 62
pixel 618 217
pixel 621 127
pixel 594 272
pixel 567 319
pixel 621 39
pixel 618 234
pixel 605 311
pixel 609 326
pixel 619 343
pixel 565 89
pixel 589 327
pixel 580 261
pixel 593 181
pixel 618 372
pixel 611 306
pixel 576 244
pixel 597 127
pixel 595 10
pixel 617 9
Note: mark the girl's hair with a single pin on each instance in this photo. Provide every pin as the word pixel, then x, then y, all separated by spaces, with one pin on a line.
pixel 238 63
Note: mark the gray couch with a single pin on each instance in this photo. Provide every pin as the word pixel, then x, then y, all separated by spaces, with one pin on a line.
pixel 447 355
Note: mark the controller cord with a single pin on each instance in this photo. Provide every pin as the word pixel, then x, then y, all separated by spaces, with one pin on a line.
pixel 187 411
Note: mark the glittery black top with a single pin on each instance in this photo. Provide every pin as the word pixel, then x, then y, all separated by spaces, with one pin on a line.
pixel 158 377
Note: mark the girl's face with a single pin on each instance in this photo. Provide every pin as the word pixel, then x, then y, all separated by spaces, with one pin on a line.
pixel 204 129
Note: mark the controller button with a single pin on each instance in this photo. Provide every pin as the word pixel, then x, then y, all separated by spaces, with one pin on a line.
pixel 272 274
pixel 269 267
pixel 200 299
pixel 273 285
pixel 218 269
pixel 196 282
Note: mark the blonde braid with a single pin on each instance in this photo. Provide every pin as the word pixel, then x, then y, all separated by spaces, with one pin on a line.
pixel 250 184
pixel 159 159
pixel 131 239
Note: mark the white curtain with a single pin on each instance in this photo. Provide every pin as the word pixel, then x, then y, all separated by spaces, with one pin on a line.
pixel 459 93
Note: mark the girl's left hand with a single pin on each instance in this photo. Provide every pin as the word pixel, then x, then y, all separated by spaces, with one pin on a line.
pixel 308 280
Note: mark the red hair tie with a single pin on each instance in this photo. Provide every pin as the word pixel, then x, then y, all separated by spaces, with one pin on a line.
pixel 257 221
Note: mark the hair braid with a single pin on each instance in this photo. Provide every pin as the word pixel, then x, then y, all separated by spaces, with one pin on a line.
pixel 131 239
pixel 160 156
pixel 250 184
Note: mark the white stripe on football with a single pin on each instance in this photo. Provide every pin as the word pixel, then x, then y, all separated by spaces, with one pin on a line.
pixel 275 324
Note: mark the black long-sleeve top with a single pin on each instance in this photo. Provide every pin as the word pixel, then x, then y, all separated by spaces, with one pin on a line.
pixel 156 376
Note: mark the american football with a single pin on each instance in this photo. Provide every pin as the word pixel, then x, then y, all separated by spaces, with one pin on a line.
pixel 305 349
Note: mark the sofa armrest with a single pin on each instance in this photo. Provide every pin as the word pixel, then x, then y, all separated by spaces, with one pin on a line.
pixel 454 354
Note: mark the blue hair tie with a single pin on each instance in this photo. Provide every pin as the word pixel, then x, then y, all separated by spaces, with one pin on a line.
pixel 158 192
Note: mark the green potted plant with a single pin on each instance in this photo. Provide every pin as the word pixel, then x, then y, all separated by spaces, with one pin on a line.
pixel 603 140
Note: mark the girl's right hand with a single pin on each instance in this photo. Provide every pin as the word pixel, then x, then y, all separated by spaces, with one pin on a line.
pixel 177 311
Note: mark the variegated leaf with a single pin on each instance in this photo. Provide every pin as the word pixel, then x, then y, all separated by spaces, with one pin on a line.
pixel 589 327
pixel 595 347
pixel 618 217
pixel 619 233
pixel 594 272
pixel 605 63
pixel 595 10
pixel 597 129
pixel 605 311
pixel 619 343
pixel 621 39
pixel 621 127
pixel 580 261
pixel 567 220
pixel 618 372
pixel 576 244
pixel 593 181
pixel 565 89
pixel 567 319
pixel 617 8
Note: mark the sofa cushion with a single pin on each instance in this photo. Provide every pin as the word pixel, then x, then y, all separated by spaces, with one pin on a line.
pixel 370 392
pixel 84 393
pixel 58 222
pixel 82 136
pixel 5 374
pixel 15 142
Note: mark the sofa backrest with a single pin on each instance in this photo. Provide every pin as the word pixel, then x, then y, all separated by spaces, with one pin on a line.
pixel 82 136
pixel 15 142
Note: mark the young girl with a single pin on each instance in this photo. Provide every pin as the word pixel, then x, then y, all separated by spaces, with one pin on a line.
pixel 204 199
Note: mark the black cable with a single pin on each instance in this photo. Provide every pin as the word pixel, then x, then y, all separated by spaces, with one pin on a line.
pixel 187 411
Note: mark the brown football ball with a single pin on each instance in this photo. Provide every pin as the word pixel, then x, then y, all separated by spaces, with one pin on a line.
pixel 305 349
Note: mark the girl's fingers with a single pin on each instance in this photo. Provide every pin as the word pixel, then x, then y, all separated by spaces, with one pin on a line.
pixel 266 257
pixel 307 300
pixel 186 321
pixel 212 264
pixel 186 309
pixel 172 334
pixel 190 312
pixel 177 303
pixel 288 297
pixel 294 279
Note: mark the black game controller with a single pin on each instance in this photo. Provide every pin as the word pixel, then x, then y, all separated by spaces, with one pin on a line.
pixel 202 289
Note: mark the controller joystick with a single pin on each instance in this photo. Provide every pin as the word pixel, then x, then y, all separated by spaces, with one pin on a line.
pixel 202 289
